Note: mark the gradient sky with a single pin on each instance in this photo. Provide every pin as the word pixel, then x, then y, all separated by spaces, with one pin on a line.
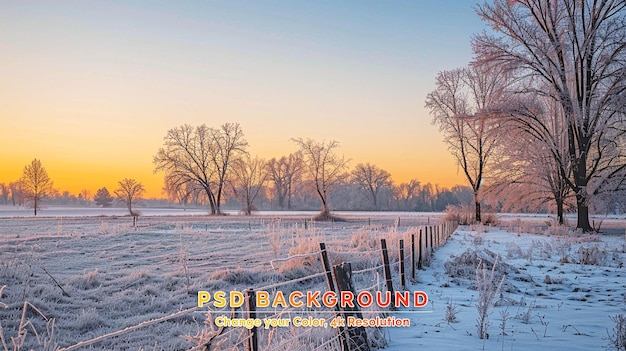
pixel 91 87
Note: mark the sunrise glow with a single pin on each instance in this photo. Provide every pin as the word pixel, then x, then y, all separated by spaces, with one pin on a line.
pixel 91 88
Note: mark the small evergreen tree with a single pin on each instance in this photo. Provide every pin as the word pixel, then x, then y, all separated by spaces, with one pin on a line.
pixel 103 198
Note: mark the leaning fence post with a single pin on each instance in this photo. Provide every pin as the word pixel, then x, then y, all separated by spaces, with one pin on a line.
pixel 402 279
pixel 387 270
pixel 253 343
pixel 357 336
pixel 331 287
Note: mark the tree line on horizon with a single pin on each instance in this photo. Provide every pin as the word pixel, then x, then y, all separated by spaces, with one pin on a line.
pixel 290 182
pixel 35 186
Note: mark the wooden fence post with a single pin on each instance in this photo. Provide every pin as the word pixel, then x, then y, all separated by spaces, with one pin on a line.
pixel 438 234
pixel 432 247
pixel 421 251
pixel 387 270
pixel 331 287
pixel 426 245
pixel 253 343
pixel 413 256
pixel 357 336
pixel 402 279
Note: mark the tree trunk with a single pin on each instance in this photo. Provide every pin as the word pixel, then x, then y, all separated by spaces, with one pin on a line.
pixel 218 201
pixel 289 197
pixel 583 213
pixel 559 211
pixel 477 204
pixel 582 203
pixel 209 195
pixel 35 207
pixel 281 200
pixel 249 201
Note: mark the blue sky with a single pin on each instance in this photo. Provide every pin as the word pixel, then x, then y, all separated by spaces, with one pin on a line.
pixel 108 75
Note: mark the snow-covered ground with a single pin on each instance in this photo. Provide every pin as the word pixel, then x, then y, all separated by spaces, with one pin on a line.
pixel 96 275
pixel 558 293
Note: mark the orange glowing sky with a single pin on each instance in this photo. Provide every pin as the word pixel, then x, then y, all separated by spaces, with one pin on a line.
pixel 91 88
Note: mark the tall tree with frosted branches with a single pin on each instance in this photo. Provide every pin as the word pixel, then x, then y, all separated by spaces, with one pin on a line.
pixel 462 106
pixel 574 52
pixel 129 192
pixel 371 180
pixel 526 172
pixel 324 167
pixel 201 157
pixel 284 174
pixel 35 184
pixel 249 176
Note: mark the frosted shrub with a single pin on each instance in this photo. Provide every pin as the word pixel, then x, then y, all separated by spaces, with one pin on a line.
pixel 88 280
pixel 617 337
pixel 488 288
pixel 237 276
pixel 451 312
pixel 490 219
pixel 592 255
pixel 364 241
pixel 464 266
pixel 304 247
pixel 513 250
pixel 89 320
pixel 463 214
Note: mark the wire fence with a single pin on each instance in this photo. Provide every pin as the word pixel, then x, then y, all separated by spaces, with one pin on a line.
pixel 287 323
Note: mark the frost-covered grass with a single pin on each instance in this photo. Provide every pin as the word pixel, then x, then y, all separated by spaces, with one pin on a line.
pixel 560 289
pixel 97 275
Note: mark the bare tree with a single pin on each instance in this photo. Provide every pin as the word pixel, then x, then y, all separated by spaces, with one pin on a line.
pixel 371 179
pixel 572 51
pixel 323 167
pixel 284 174
pixel 180 193
pixel 17 193
pixel 201 156
pixel 406 193
pixel 85 196
pixel 4 193
pixel 462 105
pixel 35 184
pixel 248 180
pixel 129 192
pixel 526 173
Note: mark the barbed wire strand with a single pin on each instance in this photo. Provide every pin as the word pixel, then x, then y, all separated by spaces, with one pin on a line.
pixel 367 269
pixel 293 257
pixel 130 328
pixel 290 281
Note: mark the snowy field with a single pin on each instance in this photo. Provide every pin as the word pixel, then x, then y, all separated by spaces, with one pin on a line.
pixel 98 274
pixel 558 291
